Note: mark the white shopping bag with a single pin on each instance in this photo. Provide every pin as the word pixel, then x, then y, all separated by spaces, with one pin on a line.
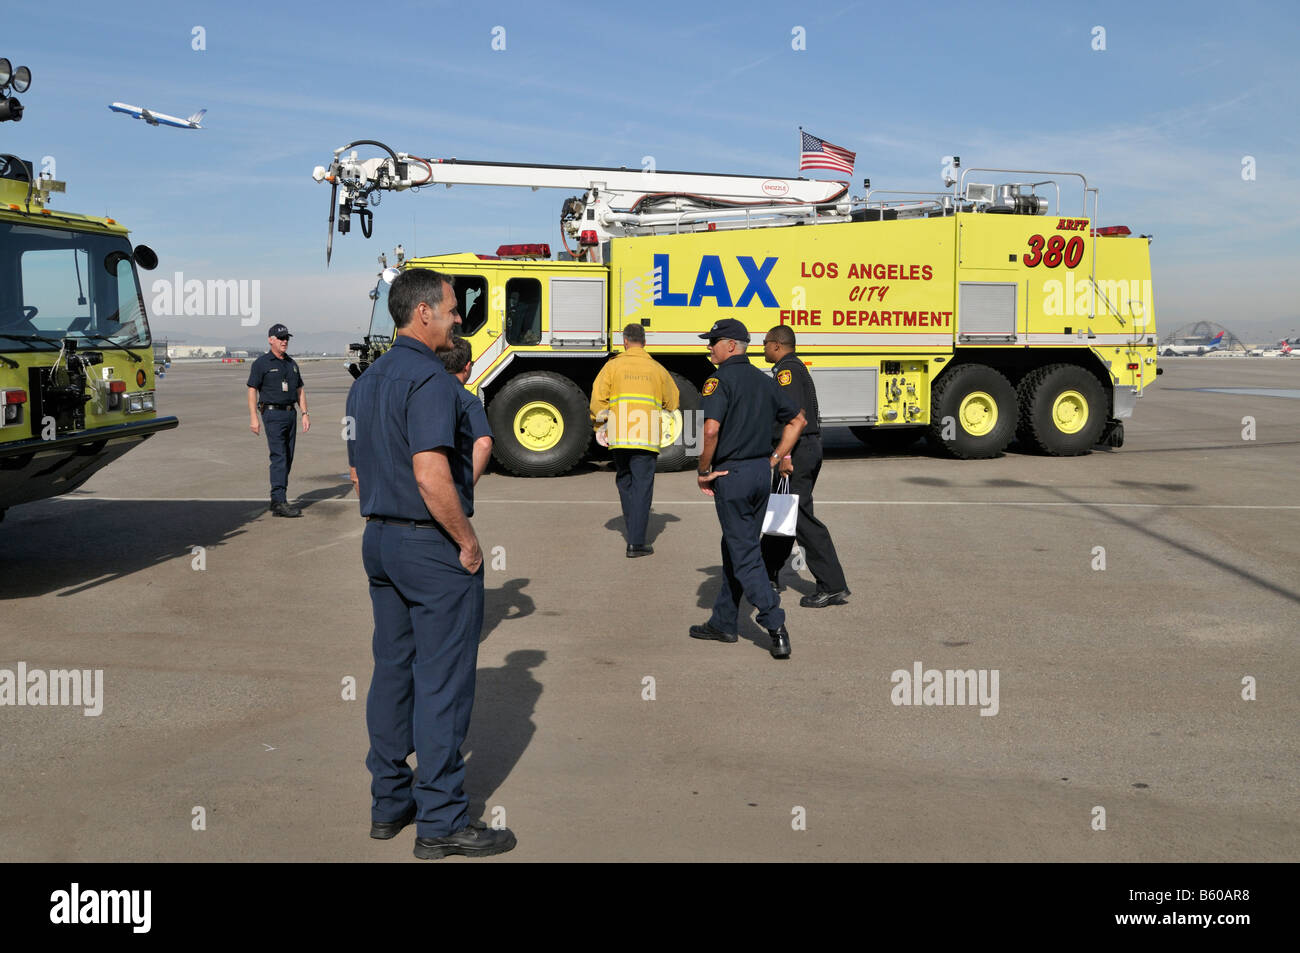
pixel 782 511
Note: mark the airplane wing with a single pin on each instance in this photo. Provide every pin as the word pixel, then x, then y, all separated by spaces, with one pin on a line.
pixel 148 117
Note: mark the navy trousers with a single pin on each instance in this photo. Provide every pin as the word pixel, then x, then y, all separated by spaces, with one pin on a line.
pixel 636 486
pixel 813 536
pixel 281 429
pixel 740 498
pixel 428 617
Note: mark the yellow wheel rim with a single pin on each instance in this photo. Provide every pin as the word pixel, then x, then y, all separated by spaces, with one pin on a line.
pixel 978 413
pixel 539 426
pixel 1070 411
pixel 670 425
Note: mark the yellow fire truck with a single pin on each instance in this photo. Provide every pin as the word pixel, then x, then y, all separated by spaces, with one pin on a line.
pixel 76 360
pixel 994 311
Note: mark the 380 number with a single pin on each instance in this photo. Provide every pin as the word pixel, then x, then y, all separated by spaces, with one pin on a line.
pixel 1052 251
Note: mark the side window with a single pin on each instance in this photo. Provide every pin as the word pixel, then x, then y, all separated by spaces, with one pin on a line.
pixel 471 296
pixel 128 318
pixel 523 311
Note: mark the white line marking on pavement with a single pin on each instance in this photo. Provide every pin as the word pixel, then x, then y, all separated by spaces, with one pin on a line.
pixel 342 539
pixel 820 502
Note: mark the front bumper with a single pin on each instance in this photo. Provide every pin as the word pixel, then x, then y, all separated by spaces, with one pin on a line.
pixel 37 469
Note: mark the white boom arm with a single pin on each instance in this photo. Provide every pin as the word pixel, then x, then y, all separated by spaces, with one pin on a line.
pixel 614 203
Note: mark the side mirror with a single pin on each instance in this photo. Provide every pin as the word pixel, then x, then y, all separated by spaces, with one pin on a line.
pixel 145 257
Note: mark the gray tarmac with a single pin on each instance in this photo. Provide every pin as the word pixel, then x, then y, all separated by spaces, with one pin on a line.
pixel 1119 689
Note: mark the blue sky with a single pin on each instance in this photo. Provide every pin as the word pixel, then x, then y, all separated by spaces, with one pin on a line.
pixel 1160 119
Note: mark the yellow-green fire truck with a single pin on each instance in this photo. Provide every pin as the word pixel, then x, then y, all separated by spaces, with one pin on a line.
pixel 76 359
pixel 994 311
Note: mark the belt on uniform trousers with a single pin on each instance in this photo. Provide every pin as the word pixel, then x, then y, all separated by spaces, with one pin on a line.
pixel 391 521
pixel 263 406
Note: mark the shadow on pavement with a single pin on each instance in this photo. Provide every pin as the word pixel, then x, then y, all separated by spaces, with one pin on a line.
pixel 657 523
pixel 69 546
pixel 312 497
pixel 504 604
pixel 501 727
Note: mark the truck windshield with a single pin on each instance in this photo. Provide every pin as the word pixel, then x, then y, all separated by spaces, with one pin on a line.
pixel 381 322
pixel 58 283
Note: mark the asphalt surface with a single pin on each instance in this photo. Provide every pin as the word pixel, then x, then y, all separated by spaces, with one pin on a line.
pixel 1118 689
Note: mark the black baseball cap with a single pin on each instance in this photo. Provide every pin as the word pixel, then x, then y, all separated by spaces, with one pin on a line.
pixel 279 331
pixel 727 328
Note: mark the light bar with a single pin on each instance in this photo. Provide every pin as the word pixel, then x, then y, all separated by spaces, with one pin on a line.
pixel 534 250
pixel 1112 231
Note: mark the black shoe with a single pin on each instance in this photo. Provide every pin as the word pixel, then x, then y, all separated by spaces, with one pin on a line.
pixel 710 631
pixel 284 509
pixel 384 830
pixel 640 549
pixel 821 599
pixel 776 583
pixel 473 840
pixel 780 642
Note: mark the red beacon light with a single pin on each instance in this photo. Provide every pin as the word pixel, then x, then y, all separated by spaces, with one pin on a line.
pixel 588 237
pixel 1112 231
pixel 534 250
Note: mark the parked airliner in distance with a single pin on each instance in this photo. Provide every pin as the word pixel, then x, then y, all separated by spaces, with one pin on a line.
pixel 1198 346
pixel 154 119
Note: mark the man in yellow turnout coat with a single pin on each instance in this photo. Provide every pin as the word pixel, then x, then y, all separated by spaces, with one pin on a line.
pixel 630 391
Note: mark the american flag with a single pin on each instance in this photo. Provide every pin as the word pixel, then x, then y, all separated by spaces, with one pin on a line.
pixel 820 154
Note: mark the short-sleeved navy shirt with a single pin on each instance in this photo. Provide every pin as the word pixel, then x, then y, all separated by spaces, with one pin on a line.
pixel 792 376
pixel 405 403
pixel 745 402
pixel 471 424
pixel 277 379
pixel 473 415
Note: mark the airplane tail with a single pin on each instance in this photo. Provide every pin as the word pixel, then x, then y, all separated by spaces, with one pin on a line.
pixel 1218 339
pixel 197 116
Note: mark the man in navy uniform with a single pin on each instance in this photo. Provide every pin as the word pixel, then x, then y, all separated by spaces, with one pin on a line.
pixel 474 435
pixel 740 406
pixel 802 466
pixel 275 388
pixel 425 568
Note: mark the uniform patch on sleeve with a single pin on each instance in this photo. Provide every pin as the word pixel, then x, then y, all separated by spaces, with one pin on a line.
pixel 710 386
pixel 784 377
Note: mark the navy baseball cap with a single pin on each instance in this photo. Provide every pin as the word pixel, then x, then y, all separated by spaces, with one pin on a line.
pixel 279 331
pixel 727 328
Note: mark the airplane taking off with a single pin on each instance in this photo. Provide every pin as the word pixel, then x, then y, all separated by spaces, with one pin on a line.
pixel 154 119
pixel 1196 346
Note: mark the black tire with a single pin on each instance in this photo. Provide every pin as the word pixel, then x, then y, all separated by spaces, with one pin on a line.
pixel 1037 395
pixel 888 439
pixel 569 402
pixel 676 457
pixel 946 398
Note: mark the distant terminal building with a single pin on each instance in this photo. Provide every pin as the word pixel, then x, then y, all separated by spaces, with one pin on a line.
pixel 1200 337
pixel 181 351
